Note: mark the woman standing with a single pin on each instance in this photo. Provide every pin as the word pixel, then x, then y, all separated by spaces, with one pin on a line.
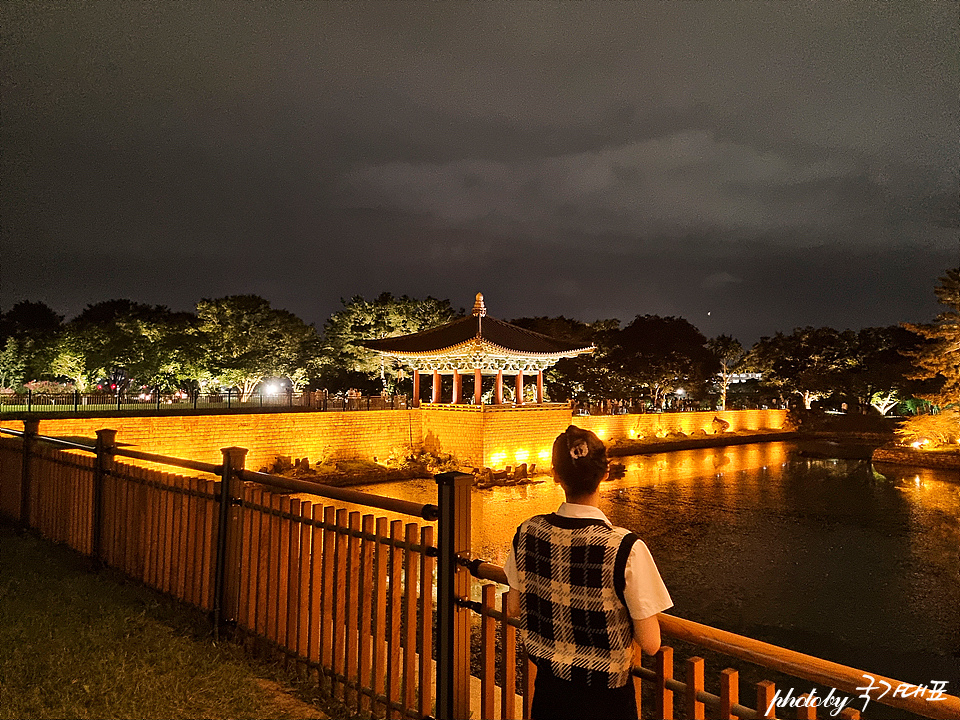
pixel 586 591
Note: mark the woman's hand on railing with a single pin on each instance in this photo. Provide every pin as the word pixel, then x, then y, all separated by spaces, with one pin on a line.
pixel 646 633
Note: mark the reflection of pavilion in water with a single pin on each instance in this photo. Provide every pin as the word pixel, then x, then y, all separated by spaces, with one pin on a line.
pixel 479 433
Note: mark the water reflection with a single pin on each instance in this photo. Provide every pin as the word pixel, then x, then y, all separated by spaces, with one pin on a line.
pixel 836 558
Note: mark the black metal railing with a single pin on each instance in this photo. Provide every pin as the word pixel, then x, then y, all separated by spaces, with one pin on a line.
pixel 77 402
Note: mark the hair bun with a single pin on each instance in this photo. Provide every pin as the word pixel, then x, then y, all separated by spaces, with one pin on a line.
pixel 579 449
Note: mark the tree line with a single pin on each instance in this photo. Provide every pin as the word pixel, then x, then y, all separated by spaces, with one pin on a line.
pixel 240 342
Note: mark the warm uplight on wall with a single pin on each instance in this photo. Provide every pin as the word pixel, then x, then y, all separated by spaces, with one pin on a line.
pixel 498 459
pixel 520 456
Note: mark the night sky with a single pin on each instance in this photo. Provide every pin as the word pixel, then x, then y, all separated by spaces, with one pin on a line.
pixel 752 167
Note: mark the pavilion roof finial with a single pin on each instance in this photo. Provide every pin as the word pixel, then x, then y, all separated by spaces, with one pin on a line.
pixel 479 309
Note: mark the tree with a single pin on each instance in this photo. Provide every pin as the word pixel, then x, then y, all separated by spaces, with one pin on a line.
pixel 345 363
pixel 28 336
pixel 939 358
pixel 934 430
pixel 70 360
pixel 27 317
pixel 126 343
pixel 729 353
pixel 879 374
pixel 246 341
pixel 807 362
pixel 657 355
pixel 13 364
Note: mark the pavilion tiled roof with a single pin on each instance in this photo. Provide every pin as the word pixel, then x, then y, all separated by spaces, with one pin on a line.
pixel 474 330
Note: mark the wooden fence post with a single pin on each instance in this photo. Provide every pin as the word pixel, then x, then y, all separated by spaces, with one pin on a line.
pixel 227 572
pixel 106 442
pixel 453 584
pixel 31 428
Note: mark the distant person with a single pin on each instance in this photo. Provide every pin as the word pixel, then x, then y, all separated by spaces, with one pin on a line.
pixel 585 591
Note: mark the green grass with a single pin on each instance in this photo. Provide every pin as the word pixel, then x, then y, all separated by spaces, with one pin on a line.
pixel 77 642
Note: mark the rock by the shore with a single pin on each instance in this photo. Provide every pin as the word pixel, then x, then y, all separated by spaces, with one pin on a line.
pixel 658 445
pixel 937 460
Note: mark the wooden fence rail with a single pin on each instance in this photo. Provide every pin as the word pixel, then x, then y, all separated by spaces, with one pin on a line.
pixel 349 595
pixel 690 694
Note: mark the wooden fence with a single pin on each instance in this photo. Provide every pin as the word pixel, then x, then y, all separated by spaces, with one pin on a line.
pixel 152 525
pixel 373 607
pixel 344 594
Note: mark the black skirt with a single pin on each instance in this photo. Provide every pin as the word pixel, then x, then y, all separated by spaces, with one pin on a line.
pixel 558 699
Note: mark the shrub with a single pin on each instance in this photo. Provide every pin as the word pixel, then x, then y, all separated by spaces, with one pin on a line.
pixel 931 431
pixel 49 387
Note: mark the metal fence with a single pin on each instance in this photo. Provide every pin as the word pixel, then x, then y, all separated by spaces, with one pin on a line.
pixel 219 401
pixel 643 406
pixel 384 617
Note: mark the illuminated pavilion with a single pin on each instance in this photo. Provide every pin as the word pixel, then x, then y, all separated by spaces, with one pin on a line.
pixel 477 345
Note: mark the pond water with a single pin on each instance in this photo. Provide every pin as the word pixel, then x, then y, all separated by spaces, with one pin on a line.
pixel 850 562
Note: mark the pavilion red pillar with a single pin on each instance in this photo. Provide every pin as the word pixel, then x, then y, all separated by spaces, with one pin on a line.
pixel 416 388
pixel 457 394
pixel 519 387
pixel 540 386
pixel 436 387
pixel 477 387
pixel 498 395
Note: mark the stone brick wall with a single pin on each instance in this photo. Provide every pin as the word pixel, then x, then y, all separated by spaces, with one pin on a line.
pixel 918 458
pixel 484 436
pixel 342 435
pixel 489 436
pixel 526 434
pixel 454 429
pixel 632 427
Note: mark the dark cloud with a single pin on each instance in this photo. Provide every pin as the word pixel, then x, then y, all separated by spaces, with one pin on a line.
pixel 773 165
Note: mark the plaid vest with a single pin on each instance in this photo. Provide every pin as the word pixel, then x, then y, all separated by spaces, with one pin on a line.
pixel 572 610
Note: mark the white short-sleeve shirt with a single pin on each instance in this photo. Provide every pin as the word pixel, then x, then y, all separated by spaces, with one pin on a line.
pixel 644 591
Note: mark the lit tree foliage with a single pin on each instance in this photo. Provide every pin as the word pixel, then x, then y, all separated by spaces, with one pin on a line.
pixel 880 368
pixel 13 363
pixel 128 343
pixel 245 341
pixel 809 362
pixel 346 364
pixel 28 337
pixel 939 358
pixel 941 429
pixel 729 353
pixel 70 362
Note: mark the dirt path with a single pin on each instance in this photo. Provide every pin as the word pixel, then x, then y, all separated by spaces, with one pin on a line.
pixel 287 705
